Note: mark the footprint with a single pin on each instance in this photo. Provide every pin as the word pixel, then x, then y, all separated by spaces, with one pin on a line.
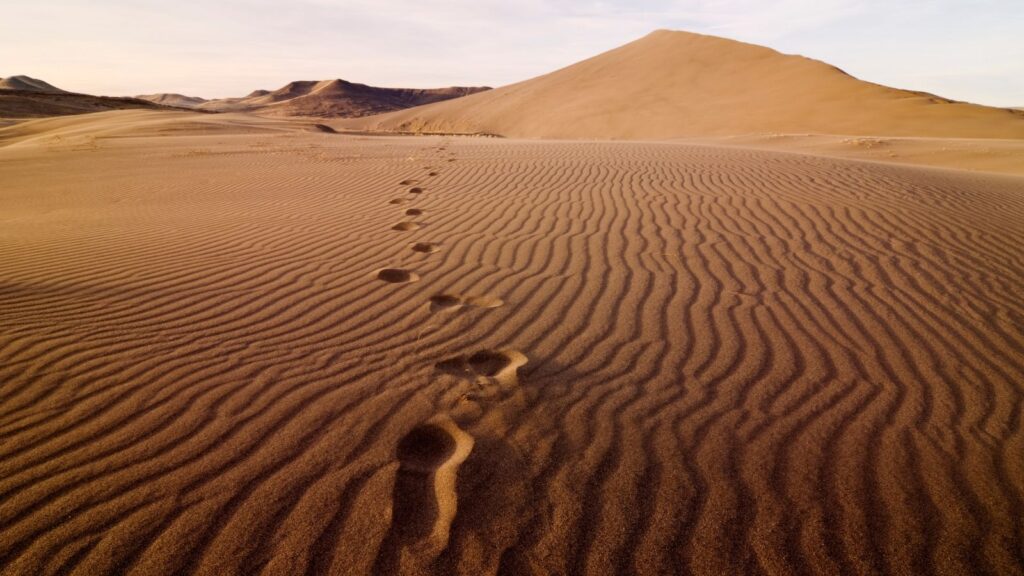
pixel 414 212
pixel 399 201
pixel 432 174
pixel 425 498
pixel 396 275
pixel 409 182
pixel 405 226
pixel 444 301
pixel 452 301
pixel 502 365
pixel 416 190
pixel 425 247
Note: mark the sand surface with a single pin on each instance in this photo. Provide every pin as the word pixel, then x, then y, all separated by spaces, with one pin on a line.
pixel 234 346
pixel 1005 156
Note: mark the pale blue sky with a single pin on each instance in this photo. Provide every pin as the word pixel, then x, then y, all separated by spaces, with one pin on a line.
pixel 967 50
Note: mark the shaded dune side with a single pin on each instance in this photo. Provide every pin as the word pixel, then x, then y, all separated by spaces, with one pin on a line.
pixel 739 362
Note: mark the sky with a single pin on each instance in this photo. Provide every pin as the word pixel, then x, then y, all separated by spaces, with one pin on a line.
pixel 960 49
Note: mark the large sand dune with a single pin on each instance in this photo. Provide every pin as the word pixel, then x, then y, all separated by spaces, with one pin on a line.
pixel 678 84
pixel 247 349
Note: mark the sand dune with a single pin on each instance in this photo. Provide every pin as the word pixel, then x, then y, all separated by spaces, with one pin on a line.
pixel 332 99
pixel 28 84
pixel 32 104
pixel 678 84
pixel 172 99
pixel 217 356
pixel 25 97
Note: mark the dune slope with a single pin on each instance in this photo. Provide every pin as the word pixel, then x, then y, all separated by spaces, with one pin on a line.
pixel 222 353
pixel 677 84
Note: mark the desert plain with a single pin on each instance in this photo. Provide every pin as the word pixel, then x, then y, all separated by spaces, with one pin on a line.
pixel 520 332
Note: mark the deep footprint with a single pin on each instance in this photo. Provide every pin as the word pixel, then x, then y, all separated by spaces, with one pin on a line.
pixel 414 212
pixel 453 301
pixel 425 247
pixel 416 190
pixel 501 365
pixel 408 182
pixel 424 497
pixel 396 275
pixel 444 302
pixel 405 226
pixel 399 201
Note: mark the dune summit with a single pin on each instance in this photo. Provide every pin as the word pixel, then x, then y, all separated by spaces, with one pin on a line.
pixel 678 84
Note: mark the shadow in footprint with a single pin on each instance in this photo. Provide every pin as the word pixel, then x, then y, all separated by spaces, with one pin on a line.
pixel 425 247
pixel 416 190
pixel 409 182
pixel 444 302
pixel 405 226
pixel 396 275
pixel 399 201
pixel 414 212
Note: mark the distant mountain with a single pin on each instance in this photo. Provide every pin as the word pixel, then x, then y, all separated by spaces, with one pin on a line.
pixel 333 99
pixel 171 99
pixel 24 97
pixel 672 84
pixel 28 84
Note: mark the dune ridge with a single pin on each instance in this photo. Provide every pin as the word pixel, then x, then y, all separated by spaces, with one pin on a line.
pixel 707 360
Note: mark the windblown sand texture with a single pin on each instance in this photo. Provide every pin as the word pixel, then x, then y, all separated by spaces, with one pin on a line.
pixel 218 356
